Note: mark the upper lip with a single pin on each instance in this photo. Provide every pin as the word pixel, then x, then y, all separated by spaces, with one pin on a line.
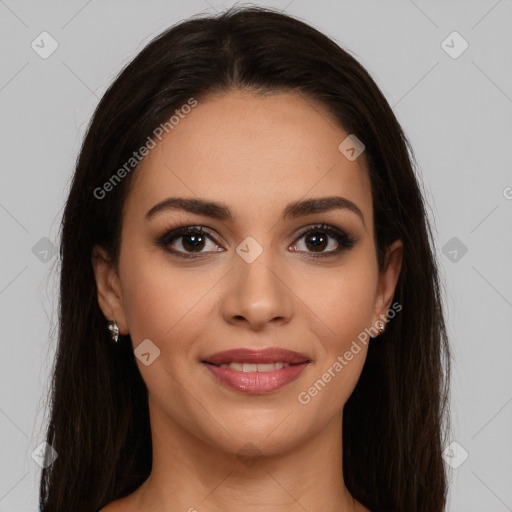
pixel 255 356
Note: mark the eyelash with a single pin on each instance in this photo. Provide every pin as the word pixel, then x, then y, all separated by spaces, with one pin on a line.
pixel 344 240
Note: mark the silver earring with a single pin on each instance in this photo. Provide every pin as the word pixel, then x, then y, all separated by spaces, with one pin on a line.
pixel 114 330
pixel 381 327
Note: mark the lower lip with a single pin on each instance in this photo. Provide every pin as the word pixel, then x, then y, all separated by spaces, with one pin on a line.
pixel 257 382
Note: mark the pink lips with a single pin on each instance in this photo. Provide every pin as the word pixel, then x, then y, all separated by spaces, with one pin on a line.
pixel 254 382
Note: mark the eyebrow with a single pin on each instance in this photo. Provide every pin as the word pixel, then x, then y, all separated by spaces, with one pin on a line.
pixel 220 211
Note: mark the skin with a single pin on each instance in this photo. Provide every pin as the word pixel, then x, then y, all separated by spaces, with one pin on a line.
pixel 256 154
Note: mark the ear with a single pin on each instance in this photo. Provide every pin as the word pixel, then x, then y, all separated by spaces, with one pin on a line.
pixel 388 279
pixel 109 289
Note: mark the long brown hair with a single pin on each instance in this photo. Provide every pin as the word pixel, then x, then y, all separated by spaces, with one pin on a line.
pixel 396 420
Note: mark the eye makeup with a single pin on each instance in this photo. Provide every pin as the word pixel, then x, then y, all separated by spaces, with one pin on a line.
pixel 195 237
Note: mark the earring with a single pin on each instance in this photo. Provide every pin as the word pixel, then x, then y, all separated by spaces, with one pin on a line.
pixel 381 327
pixel 114 330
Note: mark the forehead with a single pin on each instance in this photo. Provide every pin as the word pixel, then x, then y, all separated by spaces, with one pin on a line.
pixel 255 152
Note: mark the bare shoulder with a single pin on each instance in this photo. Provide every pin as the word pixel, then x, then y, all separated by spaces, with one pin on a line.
pixel 128 503
pixel 111 507
pixel 120 505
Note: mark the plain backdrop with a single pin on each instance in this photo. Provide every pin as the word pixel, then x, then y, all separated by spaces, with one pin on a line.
pixel 454 103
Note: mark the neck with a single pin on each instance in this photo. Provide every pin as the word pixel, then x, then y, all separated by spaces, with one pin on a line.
pixel 190 474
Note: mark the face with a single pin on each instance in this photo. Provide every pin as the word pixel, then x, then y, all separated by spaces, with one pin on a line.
pixel 251 273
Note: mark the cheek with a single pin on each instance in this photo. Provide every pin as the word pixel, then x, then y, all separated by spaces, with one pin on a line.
pixel 346 308
pixel 152 300
pixel 352 299
pixel 168 305
pixel 147 303
pixel 346 300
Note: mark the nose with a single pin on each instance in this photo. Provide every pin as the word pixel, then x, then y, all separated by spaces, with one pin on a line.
pixel 257 294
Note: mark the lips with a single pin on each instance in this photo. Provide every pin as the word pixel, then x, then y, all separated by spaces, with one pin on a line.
pixel 256 371
pixel 251 356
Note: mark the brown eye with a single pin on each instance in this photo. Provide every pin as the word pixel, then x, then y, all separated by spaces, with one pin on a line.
pixel 316 241
pixel 189 241
pixel 193 242
pixel 324 240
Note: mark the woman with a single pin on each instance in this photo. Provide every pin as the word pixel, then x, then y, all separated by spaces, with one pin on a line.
pixel 250 311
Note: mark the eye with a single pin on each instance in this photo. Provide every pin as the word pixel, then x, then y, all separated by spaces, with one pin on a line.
pixel 316 240
pixel 188 240
pixel 192 241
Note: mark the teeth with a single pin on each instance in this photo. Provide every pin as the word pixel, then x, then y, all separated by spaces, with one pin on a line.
pixel 251 367
pixel 247 367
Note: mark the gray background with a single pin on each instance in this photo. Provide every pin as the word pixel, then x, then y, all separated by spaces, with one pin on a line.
pixel 457 112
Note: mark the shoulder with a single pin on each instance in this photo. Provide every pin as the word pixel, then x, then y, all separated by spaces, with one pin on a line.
pixel 128 503
pixel 111 507
pixel 116 506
